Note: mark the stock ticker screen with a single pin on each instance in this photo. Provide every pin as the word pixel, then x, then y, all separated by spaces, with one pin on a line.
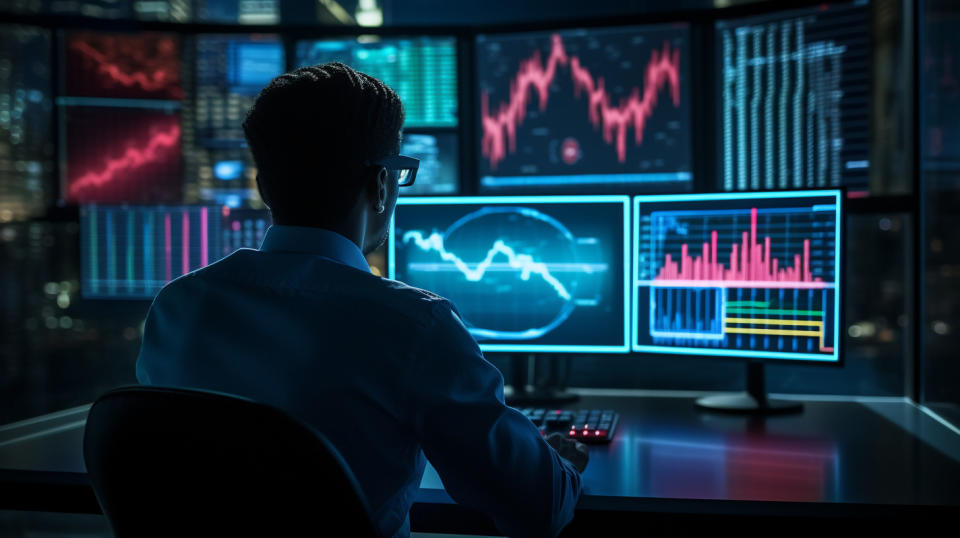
pixel 535 273
pixel 439 167
pixel 422 70
pixel 26 113
pixel 794 99
pixel 229 71
pixel 130 252
pixel 585 108
pixel 741 275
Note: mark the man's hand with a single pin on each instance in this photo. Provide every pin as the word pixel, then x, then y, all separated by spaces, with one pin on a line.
pixel 573 451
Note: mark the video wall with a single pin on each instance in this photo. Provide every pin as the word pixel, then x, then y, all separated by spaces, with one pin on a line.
pixel 142 132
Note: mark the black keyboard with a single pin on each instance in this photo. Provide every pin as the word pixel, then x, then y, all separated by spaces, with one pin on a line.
pixel 593 426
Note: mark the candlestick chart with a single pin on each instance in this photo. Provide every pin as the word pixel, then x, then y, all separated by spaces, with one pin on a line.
pixel 584 107
pixel 526 273
pixel 747 276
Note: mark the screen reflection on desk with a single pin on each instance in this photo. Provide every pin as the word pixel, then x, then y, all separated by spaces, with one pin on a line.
pixel 741 467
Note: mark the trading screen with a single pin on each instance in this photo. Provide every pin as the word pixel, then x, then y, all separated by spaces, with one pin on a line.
pixel 123 155
pixel 121 119
pixel 422 70
pixel 127 66
pixel 742 275
pixel 585 108
pixel 438 153
pixel 229 71
pixel 538 273
pixel 794 99
pixel 26 112
pixel 130 252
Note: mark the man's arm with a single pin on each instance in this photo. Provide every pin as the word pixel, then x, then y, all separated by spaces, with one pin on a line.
pixel 489 456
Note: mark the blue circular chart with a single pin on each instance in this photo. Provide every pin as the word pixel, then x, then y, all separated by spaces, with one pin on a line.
pixel 500 259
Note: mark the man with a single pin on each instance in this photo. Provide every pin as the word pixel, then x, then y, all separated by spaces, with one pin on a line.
pixel 387 372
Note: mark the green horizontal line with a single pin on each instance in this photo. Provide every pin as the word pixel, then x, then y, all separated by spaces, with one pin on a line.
pixel 157 104
pixel 748 303
pixel 773 312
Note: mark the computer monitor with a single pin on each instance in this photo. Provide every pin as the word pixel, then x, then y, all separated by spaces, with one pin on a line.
pixel 123 66
pixel 528 274
pixel 794 99
pixel 116 154
pixel 745 275
pixel 120 118
pixel 237 11
pixel 26 109
pixel 130 252
pixel 229 71
pixel 438 154
pixel 422 70
pixel 591 109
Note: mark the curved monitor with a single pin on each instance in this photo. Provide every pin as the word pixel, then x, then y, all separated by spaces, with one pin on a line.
pixel 753 275
pixel 527 274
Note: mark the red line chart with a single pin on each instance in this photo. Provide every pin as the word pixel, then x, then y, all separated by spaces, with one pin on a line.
pixel 500 126
pixel 157 73
pixel 134 157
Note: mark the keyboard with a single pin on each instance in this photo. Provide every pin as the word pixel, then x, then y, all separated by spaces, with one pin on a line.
pixel 591 426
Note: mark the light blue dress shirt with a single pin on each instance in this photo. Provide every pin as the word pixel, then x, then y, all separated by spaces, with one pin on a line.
pixel 386 371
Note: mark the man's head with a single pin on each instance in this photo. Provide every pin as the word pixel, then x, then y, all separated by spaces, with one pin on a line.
pixel 313 133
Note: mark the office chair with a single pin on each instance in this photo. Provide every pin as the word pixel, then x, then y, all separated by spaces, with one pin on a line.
pixel 174 462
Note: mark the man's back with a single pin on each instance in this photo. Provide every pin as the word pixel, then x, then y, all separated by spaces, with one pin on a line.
pixel 382 369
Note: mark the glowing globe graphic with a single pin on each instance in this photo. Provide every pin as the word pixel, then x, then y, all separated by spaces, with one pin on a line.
pixel 511 271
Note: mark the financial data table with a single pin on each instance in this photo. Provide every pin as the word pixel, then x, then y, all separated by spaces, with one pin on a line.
pixel 872 462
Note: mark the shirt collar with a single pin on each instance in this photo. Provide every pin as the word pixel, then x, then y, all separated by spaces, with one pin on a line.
pixel 314 241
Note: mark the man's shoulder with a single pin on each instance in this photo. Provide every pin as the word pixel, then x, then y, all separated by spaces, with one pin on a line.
pixel 406 298
pixel 194 281
pixel 239 267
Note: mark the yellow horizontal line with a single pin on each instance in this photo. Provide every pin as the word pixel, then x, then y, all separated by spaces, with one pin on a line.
pixel 776 332
pixel 760 321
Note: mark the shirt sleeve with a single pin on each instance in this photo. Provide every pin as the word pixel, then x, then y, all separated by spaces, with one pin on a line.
pixel 489 456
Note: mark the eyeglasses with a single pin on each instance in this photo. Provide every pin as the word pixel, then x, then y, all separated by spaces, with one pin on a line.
pixel 402 167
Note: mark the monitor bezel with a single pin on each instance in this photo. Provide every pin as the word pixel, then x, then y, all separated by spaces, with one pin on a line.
pixel 839 299
pixel 623 201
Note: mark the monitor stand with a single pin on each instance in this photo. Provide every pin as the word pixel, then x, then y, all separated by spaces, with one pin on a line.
pixel 754 401
pixel 547 391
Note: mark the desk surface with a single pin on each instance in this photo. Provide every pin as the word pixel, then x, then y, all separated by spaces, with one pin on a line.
pixel 859 458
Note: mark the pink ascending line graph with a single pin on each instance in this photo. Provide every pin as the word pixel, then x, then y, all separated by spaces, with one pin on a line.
pixel 133 157
pixel 500 127
pixel 751 264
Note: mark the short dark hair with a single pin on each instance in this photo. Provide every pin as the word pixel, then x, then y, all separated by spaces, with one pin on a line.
pixel 311 130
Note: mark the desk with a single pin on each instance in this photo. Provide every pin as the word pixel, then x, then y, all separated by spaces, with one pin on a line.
pixel 877 462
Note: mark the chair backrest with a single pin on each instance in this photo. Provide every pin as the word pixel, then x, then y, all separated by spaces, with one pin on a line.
pixel 174 462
